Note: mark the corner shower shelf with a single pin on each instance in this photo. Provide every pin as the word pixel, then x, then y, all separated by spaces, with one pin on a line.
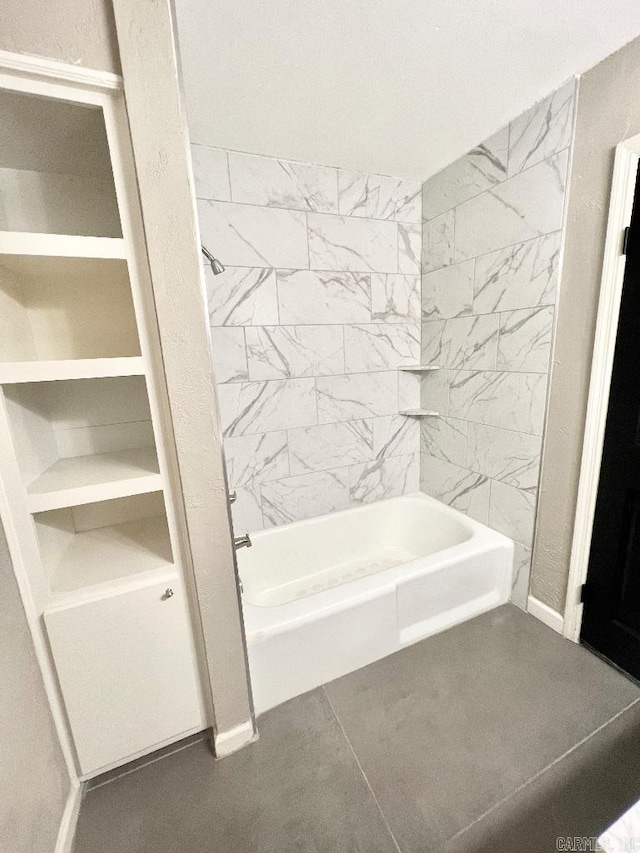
pixel 113 553
pixel 17 372
pixel 99 477
pixel 61 245
pixel 419 368
pixel 419 413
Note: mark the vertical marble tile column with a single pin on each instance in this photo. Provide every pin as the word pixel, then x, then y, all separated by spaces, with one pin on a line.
pixel 318 307
pixel 492 233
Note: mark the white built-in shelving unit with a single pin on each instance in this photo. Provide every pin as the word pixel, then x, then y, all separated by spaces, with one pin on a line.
pixel 88 492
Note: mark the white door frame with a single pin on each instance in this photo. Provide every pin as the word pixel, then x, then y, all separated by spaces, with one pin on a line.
pixel 623 184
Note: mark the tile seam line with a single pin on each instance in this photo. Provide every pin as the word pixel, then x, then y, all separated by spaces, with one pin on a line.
pixel 316 165
pixel 306 210
pixel 389 414
pixel 282 270
pixel 374 370
pixel 472 257
pixel 491 186
pixel 341 468
pixel 544 770
pixel 426 319
pixel 360 768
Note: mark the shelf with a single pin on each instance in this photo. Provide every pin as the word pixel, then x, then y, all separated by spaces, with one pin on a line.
pixel 419 368
pixel 17 372
pixel 56 175
pixel 103 476
pixel 57 309
pixel 419 413
pixel 112 553
pixel 60 245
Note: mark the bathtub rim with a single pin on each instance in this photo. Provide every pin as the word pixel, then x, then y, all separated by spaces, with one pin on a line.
pixel 265 621
pixel 418 497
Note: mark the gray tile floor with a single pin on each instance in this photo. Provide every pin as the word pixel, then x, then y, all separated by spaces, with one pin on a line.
pixel 495 736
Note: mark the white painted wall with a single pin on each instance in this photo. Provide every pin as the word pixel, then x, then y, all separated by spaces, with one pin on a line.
pixel 400 88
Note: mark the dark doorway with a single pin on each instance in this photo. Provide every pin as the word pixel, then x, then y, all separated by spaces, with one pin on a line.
pixel 611 619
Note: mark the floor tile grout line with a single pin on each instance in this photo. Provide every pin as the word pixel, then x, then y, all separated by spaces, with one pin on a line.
pixel 360 768
pixel 542 772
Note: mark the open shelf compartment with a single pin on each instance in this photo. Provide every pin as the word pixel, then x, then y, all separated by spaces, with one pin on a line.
pixel 83 440
pixel 94 477
pixel 56 309
pixel 55 168
pixel 81 546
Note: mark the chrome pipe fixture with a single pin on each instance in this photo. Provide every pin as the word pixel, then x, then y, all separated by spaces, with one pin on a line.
pixel 214 263
pixel 242 542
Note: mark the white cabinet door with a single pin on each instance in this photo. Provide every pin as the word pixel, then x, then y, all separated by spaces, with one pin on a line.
pixel 127 671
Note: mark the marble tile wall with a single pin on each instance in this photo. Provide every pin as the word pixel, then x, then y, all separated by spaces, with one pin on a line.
pixel 318 307
pixel 492 229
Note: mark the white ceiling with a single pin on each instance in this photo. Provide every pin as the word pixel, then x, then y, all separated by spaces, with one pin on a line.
pixel 398 87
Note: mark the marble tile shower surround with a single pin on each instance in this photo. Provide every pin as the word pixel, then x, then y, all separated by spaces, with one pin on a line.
pixel 492 234
pixel 322 301
pixel 318 307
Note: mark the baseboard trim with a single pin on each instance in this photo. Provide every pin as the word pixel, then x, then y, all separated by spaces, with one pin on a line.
pixel 551 618
pixel 234 739
pixel 69 822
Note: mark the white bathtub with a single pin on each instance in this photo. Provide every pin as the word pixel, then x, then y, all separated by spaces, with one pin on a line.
pixel 326 596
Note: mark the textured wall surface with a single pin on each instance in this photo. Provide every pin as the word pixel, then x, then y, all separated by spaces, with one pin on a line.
pixel 319 305
pixel 33 776
pixel 608 113
pixel 491 247
pixel 81 32
pixel 160 146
